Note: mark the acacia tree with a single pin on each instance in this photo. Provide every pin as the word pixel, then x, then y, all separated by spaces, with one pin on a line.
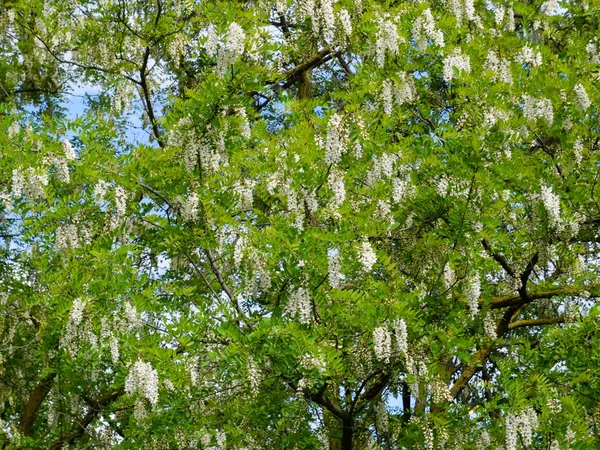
pixel 338 224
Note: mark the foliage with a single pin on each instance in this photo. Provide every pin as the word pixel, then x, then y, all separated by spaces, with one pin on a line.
pixel 300 224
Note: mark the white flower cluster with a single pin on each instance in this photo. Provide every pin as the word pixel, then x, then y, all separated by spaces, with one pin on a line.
pixel 31 183
pixel 578 150
pixel 335 181
pixel 384 212
pixel 397 93
pixel 62 170
pixel 67 237
pixel 245 192
pixel 520 424
pixel 489 326
pixel 472 292
pixel 551 203
pixel 400 190
pixel 492 116
pixel 382 344
pixel 100 189
pixel 238 250
pixel 335 145
pixel 401 336
pixel 142 379
pixel 439 391
pixel 254 377
pixel 69 151
pixel 233 49
pixel 424 29
pixel 333 258
pixel 383 167
pixel 529 56
pixel 381 417
pixel 593 52
pixel 366 256
pixel 455 60
pixel 449 276
pixel 299 305
pixel 582 101
pixel 551 7
pixel 463 10
pixel 500 68
pixel 382 341
pixel 211 45
pixel 176 48
pixel 120 200
pixel 538 108
pixel 387 40
pixel 221 439
pixel 245 130
pixel 76 329
pixel 323 19
pixel 189 207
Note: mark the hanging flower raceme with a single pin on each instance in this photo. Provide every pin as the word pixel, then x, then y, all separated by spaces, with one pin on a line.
pixel 142 379
pixel 300 306
pixel 457 61
pixel 366 256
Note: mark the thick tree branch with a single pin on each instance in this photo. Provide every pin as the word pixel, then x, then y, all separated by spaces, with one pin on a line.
pixel 37 397
pixel 536 322
pixel 499 258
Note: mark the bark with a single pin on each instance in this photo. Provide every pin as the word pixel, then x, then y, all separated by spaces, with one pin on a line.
pixel 37 397
pixel 347 434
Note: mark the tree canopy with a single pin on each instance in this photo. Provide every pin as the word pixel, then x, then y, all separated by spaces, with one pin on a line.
pixel 299 224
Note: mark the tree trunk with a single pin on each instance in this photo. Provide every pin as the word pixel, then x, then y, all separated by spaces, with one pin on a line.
pixel 305 86
pixel 347 434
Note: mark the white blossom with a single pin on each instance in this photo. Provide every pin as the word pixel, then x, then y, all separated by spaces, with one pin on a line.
pixel 336 184
pixel 212 41
pixel 254 376
pixel 472 292
pixel 401 335
pixel 551 203
pixel 489 326
pixel 189 207
pixel 387 40
pixel 538 108
pixel 522 425
pixel 233 49
pixel 100 189
pixel 456 60
pixel 336 140
pixel 582 101
pixel 245 130
pixel 238 251
pixel 68 150
pixel 424 29
pixel 62 170
pixel 399 190
pixel 500 68
pixel 67 238
pixel 333 257
pixel 299 305
pixel 366 256
pixel 529 56
pixel 13 130
pixel 18 183
pixel 142 379
pixel 382 344
pixel 346 22
pixel 245 192
pixel 120 200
